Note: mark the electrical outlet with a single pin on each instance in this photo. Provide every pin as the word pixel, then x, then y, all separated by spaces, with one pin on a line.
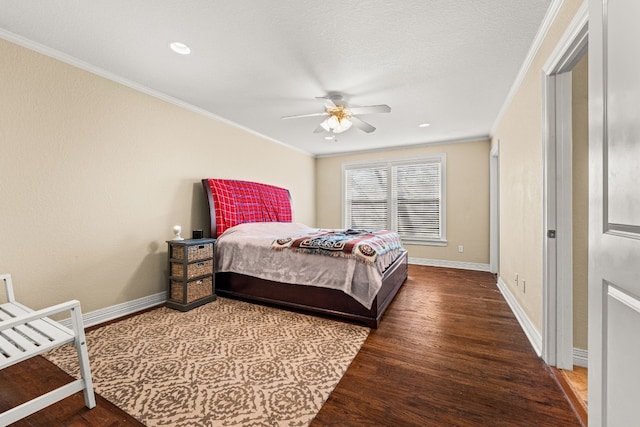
pixel 460 248
pixel 524 287
pixel 516 279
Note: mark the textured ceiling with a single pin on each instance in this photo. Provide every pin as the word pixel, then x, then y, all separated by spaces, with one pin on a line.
pixel 448 63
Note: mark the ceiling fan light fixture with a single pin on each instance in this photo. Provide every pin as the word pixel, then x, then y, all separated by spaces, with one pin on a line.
pixel 325 125
pixel 338 120
pixel 336 125
pixel 342 125
pixel 333 122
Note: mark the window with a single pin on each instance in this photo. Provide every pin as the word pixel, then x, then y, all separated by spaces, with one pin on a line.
pixel 406 196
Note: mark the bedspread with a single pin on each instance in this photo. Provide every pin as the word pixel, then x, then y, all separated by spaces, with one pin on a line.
pixel 246 249
pixel 363 245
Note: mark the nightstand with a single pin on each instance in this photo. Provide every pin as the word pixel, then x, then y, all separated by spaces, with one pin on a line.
pixel 191 277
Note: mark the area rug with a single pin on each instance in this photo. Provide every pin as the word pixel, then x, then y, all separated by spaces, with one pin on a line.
pixel 227 363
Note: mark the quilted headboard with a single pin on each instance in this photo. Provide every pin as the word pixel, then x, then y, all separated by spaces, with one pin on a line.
pixel 233 202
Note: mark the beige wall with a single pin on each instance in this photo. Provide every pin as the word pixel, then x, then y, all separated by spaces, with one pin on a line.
pixel 94 175
pixel 521 152
pixel 580 113
pixel 467 189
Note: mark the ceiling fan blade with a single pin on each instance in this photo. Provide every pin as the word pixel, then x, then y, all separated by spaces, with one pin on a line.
pixel 371 109
pixel 362 125
pixel 324 113
pixel 328 102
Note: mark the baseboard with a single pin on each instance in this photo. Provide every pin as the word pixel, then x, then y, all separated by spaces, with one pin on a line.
pixel 119 310
pixel 450 264
pixel 535 338
pixel 581 357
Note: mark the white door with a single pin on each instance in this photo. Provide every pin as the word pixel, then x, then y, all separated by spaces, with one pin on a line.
pixel 614 235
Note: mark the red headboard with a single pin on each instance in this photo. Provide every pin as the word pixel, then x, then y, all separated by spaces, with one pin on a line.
pixel 233 202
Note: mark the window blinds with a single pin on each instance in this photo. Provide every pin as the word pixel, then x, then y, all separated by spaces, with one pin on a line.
pixel 367 204
pixel 404 196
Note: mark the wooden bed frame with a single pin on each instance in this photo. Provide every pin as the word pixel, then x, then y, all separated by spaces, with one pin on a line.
pixel 324 301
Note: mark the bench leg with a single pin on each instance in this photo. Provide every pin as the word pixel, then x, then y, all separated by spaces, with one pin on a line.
pixel 83 357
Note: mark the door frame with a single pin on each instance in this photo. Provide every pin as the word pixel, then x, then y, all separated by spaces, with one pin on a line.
pixel 494 208
pixel 557 277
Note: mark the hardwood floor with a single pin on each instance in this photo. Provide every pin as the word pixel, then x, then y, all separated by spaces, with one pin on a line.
pixel 36 376
pixel 449 352
pixel 575 385
pixel 578 381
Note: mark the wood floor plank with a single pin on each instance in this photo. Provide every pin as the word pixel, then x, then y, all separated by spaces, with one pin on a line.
pixel 448 352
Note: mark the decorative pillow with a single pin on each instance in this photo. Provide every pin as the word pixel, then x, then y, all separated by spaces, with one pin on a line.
pixel 238 202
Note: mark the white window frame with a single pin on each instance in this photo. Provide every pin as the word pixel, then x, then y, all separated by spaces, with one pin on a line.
pixel 388 164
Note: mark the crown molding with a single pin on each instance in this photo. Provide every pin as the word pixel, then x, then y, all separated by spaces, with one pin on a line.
pixel 75 62
pixel 548 20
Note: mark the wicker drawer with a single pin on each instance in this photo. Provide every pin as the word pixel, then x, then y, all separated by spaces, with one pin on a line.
pixel 194 269
pixel 196 289
pixel 194 252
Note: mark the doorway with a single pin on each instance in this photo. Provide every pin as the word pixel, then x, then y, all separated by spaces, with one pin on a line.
pixel 494 209
pixel 560 209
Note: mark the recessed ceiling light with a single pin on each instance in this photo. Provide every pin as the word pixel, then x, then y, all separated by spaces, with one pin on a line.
pixel 424 125
pixel 180 48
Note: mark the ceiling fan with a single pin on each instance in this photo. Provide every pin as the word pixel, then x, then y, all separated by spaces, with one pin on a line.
pixel 340 116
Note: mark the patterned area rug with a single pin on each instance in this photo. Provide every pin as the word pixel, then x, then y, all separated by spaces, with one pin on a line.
pixel 227 363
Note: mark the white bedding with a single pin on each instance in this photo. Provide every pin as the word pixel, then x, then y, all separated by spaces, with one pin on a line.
pixel 246 249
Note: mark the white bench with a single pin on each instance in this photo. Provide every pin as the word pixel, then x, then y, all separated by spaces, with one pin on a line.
pixel 25 333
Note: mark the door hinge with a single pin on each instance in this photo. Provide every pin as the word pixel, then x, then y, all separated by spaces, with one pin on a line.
pixel 551 234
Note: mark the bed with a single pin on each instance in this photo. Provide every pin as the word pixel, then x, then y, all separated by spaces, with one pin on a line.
pixel 246 215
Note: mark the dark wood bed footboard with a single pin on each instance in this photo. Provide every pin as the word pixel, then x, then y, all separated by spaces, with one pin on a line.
pixel 330 302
